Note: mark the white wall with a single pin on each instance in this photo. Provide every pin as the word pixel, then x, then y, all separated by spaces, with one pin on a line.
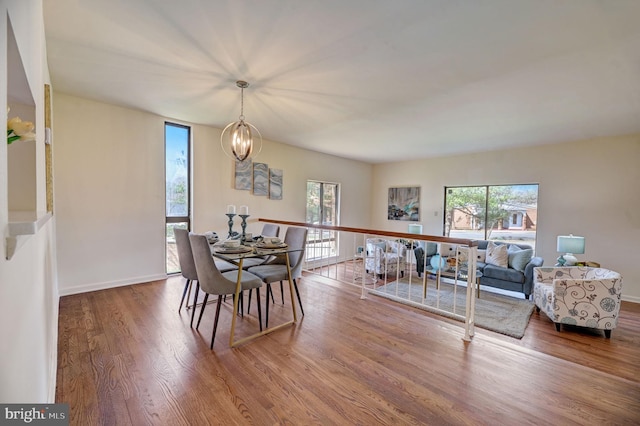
pixel 588 188
pixel 28 285
pixel 109 191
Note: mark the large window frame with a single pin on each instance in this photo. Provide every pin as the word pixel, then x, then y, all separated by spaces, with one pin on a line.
pixel 322 208
pixel 506 213
pixel 177 197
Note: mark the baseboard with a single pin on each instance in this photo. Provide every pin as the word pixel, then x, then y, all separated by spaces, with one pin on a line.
pixel 632 299
pixel 111 284
pixel 53 354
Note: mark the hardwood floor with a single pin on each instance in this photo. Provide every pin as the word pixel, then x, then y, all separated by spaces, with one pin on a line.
pixel 126 356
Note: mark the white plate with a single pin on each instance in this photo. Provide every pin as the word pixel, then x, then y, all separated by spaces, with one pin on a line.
pixel 271 246
pixel 233 250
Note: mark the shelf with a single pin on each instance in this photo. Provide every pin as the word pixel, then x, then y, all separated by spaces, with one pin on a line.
pixel 23 224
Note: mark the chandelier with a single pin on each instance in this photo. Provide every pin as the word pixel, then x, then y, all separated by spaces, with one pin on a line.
pixel 241 140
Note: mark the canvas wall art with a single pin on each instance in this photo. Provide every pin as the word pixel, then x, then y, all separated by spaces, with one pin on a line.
pixel 275 184
pixel 404 204
pixel 260 178
pixel 243 175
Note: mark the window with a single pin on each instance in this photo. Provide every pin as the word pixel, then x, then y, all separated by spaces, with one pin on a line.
pixel 323 200
pixel 501 212
pixel 177 188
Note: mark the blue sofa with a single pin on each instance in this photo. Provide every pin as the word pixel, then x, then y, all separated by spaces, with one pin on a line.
pixel 494 276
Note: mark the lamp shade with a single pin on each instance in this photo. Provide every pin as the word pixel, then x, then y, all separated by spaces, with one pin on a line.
pixel 570 244
pixel 415 228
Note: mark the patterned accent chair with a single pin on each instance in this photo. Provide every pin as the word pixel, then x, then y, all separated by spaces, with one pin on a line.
pixel 582 296
pixel 385 257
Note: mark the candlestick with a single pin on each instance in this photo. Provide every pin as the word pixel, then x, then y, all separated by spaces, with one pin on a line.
pixel 244 210
pixel 230 223
pixel 244 226
pixel 231 209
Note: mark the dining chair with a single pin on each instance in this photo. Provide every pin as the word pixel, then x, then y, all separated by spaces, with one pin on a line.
pixel 185 259
pixel 212 281
pixel 276 269
pixel 268 230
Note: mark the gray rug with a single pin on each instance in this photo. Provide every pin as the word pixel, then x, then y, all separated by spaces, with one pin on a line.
pixel 495 312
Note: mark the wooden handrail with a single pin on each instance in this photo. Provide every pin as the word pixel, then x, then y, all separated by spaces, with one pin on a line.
pixel 405 235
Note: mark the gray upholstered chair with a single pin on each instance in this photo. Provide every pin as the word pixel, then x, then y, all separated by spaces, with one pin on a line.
pixel 212 281
pixel 268 230
pixel 276 269
pixel 185 258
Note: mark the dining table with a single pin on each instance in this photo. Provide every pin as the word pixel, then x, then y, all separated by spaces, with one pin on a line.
pixel 236 255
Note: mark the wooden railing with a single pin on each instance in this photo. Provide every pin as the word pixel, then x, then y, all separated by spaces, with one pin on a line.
pixel 343 256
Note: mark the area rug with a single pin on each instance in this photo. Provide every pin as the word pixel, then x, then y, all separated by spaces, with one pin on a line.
pixel 495 312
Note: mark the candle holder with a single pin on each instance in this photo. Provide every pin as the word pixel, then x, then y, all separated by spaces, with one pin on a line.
pixel 230 223
pixel 244 227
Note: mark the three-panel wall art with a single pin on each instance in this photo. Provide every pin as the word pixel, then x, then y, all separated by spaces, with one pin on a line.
pixel 259 178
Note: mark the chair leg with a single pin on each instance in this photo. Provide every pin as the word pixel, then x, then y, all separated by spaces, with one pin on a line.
pixel 537 309
pixel 187 285
pixel 204 304
pixel 270 292
pixel 607 334
pixel 282 292
pixel 249 301
pixel 295 286
pixel 215 322
pixel 240 304
pixel 195 300
pixel 557 326
pixel 266 305
pixel 259 309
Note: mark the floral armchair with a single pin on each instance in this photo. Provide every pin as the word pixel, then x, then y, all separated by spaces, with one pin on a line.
pixel 384 257
pixel 586 297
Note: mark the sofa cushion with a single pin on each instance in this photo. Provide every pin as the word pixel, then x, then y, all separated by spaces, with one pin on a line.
pixel 497 255
pixel 506 274
pixel 519 258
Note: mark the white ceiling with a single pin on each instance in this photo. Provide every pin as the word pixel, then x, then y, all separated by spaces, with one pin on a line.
pixel 375 80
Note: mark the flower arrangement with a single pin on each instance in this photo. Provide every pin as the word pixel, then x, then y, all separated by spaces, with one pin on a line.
pixel 19 130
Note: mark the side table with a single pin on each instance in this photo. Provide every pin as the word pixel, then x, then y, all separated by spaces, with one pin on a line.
pixel 451 273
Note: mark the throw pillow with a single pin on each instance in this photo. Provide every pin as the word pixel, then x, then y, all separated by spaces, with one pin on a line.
pixel 463 256
pixel 447 250
pixel 497 255
pixel 381 244
pixel 519 258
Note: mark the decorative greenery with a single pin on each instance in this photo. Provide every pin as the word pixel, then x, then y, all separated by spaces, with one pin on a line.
pixel 11 137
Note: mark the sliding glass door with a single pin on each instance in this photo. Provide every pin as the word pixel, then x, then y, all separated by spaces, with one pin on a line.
pixel 322 209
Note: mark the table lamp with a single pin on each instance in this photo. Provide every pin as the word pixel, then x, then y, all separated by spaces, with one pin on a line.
pixel 569 245
pixel 415 228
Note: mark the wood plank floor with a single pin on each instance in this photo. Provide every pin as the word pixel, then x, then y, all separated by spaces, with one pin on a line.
pixel 126 356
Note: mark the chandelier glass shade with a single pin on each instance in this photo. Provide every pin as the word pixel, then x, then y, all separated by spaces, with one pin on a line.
pixel 241 140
